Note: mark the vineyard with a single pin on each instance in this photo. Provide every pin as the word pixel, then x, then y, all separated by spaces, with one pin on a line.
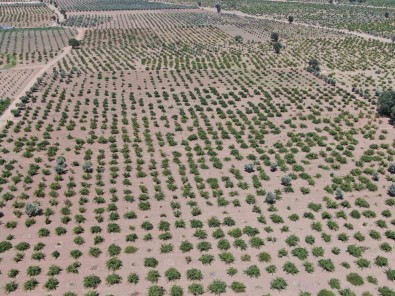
pixel 166 150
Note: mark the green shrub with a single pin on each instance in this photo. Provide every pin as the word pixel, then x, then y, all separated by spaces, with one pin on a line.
pixel 217 287
pixel 150 262
pixel 290 268
pixel 92 281
pixel 172 274
pixel 390 274
pixel 355 279
pixel 176 291
pixel 278 284
pixel 113 279
pixel 133 278
pixel 264 257
pixel 253 271
pixel 5 246
pixel 153 276
pixel 156 291
pixel 196 289
pixel 238 287
pixel 194 274
pixel 325 292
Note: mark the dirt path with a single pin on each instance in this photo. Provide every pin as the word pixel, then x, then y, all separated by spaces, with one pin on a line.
pixel 7 115
pixel 264 17
pixel 57 11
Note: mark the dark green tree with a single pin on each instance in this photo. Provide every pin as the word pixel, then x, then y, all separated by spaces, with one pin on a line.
pixel 74 43
pixel 386 104
pixel 277 47
pixel 239 39
pixel 314 65
pixel 274 37
pixel 218 7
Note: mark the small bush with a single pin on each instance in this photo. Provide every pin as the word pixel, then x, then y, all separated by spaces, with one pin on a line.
pixel 278 284
pixel 355 279
pixel 92 281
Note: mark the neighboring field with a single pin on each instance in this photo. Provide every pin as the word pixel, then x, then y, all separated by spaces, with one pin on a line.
pixel 13 80
pixel 32 45
pixel 351 17
pixel 95 5
pixel 84 21
pixel 25 15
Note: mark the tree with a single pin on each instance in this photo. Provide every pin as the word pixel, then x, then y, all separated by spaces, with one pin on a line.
pixel 277 47
pixel 391 168
pixel 291 19
pixel 274 37
pixel 391 189
pixel 16 112
pixel 376 176
pixel 286 180
pixel 339 194
pixel 60 167
pixel 314 65
pixel 386 104
pixel 249 168
pixel 239 39
pixel 387 14
pixel 218 6
pixel 270 198
pixel 74 43
pixel 32 209
pixel 199 3
pixel 87 167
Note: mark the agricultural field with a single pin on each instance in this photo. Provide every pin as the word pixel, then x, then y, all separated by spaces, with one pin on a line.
pixel 36 45
pixel 378 21
pixel 168 150
pixel 26 15
pixel 109 5
pixel 13 80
